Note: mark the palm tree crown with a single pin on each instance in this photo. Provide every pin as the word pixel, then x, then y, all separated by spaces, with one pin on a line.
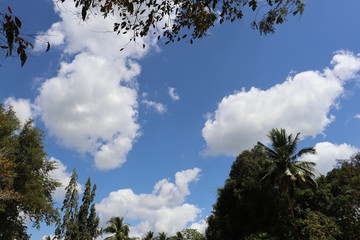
pixel 283 164
pixel 284 170
pixel 118 229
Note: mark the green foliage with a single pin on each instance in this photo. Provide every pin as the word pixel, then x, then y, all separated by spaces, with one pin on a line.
pixel 318 226
pixel 266 198
pixel 243 206
pixel 26 173
pixel 148 236
pixel 283 169
pixel 88 221
pixel 117 228
pixel 68 228
pixel 162 236
pixel 78 223
pixel 190 234
pixel 190 19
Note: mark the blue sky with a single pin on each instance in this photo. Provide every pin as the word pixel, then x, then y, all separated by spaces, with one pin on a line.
pixel 157 129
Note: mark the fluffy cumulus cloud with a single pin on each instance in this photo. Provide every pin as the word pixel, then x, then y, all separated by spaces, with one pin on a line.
pixel 300 104
pixel 23 108
pixel 91 105
pixel 62 175
pixel 174 96
pixel 164 210
pixel 327 153
pixel 200 225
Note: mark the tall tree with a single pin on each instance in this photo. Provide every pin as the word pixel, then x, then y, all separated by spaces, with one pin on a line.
pixel 284 169
pixel 68 228
pixel 27 168
pixel 78 223
pixel 88 222
pixel 343 183
pixel 243 206
pixel 117 228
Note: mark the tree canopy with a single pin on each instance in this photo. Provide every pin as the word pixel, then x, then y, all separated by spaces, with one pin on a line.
pixel 25 185
pixel 249 207
pixel 172 20
pixel 78 223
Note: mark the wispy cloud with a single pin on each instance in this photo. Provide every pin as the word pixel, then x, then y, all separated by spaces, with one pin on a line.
pixel 159 107
pixel 174 96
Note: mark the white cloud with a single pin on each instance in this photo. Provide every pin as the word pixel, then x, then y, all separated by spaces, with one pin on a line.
pixel 91 105
pixel 23 108
pixel 327 153
pixel 300 104
pixel 174 96
pixel 164 210
pixel 357 116
pixel 159 107
pixel 200 226
pixel 61 175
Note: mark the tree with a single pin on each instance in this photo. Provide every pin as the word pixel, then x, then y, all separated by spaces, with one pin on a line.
pixel 68 229
pixel 243 205
pixel 7 175
pixel 88 221
pixel 343 184
pixel 78 223
pixel 190 234
pixel 318 226
pixel 284 170
pixel 188 18
pixel 26 172
pixel 149 236
pixel 118 229
pixel 162 236
pixel 173 20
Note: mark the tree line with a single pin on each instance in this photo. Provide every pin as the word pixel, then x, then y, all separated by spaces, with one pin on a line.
pixel 270 194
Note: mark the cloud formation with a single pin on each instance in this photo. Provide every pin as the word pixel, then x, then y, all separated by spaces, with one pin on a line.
pixel 91 105
pixel 23 108
pixel 300 104
pixel 174 96
pixel 327 153
pixel 164 210
pixel 159 107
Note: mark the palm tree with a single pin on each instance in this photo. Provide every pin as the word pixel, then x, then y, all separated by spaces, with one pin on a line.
pixel 179 236
pixel 149 236
pixel 118 229
pixel 162 236
pixel 284 170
